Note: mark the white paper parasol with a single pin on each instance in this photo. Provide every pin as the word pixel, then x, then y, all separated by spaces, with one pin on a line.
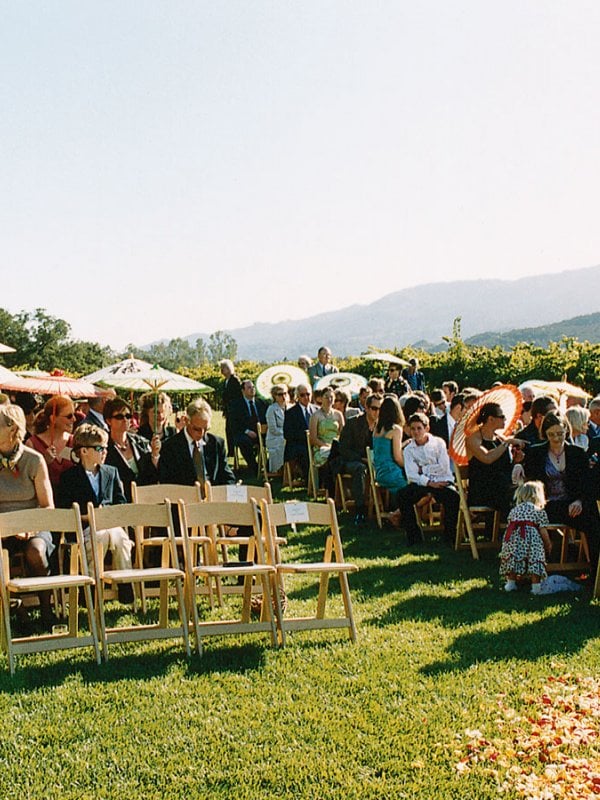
pixel 508 397
pixel 279 373
pixel 128 367
pixel 388 357
pixel 556 389
pixel 342 380
pixel 4 348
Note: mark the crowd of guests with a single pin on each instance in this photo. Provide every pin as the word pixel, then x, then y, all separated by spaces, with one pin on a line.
pixel 58 454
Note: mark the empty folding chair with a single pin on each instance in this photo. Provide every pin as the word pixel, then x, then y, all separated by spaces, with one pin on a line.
pixel 139 517
pixel 332 562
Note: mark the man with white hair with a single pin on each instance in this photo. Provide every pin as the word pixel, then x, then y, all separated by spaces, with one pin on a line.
pixel 322 367
pixel 295 425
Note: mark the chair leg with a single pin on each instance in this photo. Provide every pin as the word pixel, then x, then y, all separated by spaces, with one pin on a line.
pixel 87 590
pixel 183 615
pixel 345 589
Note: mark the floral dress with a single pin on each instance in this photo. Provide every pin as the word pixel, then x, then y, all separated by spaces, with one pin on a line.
pixel 522 550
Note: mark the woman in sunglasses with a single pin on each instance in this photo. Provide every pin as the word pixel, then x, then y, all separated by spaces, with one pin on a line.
pixel 53 436
pixel 131 454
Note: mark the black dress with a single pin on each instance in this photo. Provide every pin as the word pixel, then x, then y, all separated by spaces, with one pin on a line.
pixel 491 484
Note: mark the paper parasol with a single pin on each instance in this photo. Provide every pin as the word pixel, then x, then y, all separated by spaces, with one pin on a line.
pixel 10 380
pixel 279 373
pixel 4 348
pixel 55 383
pixel 342 380
pixel 157 379
pixel 510 401
pixel 391 359
pixel 128 367
pixel 556 389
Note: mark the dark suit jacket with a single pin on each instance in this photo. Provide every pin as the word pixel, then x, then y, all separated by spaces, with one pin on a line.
pixel 75 487
pixel 176 465
pixel 439 427
pixel 91 419
pixel 318 371
pixel 355 438
pixel 147 472
pixel 232 391
pixel 579 483
pixel 239 416
pixel 294 429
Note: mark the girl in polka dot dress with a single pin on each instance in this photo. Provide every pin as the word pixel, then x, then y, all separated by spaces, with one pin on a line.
pixel 526 541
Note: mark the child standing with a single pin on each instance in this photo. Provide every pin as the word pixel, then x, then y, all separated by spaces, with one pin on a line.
pixel 526 541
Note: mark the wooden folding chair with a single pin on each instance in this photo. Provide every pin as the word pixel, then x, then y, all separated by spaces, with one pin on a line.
pixel 210 517
pixel 569 540
pixel 470 518
pixel 430 516
pixel 314 492
pixel 139 517
pixel 277 515
pixel 34 521
pixel 290 478
pixel 263 455
pixel 378 497
pixel 343 491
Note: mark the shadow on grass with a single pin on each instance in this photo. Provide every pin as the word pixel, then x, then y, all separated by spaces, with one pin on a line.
pixel 561 634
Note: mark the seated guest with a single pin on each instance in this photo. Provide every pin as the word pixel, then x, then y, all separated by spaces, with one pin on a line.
pixel 245 413
pixel 322 367
pixel 295 425
pixel 275 416
pixel 52 437
pixel 528 396
pixel 194 454
pixel 24 483
pixel 31 407
pixel 134 457
pixel 361 401
pixel 427 468
pixel 413 376
pixel 541 406
pixel 93 481
pixel 438 401
pixel 388 456
pixel 95 414
pixel 444 426
pixel 395 384
pixel 376 385
pixel 341 404
pixel 450 388
pixel 155 410
pixel 325 425
pixel 356 436
pixel 564 470
pixel 232 392
pixel 490 465
pixel 579 418
pixel 471 395
pixel 594 423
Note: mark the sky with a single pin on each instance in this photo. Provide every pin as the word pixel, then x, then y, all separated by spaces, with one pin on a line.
pixel 178 167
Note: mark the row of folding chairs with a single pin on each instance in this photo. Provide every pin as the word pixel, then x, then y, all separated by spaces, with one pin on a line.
pixel 201 533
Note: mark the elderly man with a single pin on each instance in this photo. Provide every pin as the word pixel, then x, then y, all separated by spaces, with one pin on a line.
pixel 322 367
pixel 232 391
pixel 246 413
pixel 194 454
pixel 95 414
pixel 295 425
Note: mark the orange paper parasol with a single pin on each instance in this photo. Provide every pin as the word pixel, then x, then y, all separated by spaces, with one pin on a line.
pixel 509 399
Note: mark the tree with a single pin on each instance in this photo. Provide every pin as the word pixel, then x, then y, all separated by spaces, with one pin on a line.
pixel 221 345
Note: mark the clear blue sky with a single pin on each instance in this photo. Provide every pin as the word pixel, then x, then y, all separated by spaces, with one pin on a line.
pixel 173 167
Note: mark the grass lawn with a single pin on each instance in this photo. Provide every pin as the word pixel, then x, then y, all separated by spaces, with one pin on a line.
pixel 442 655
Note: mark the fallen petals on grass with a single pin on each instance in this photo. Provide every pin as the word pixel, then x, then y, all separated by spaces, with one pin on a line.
pixel 552 752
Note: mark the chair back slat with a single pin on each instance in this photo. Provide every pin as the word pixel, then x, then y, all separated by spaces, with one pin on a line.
pixel 219 494
pixel 159 492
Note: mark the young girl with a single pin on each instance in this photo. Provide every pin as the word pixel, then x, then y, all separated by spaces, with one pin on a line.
pixel 526 541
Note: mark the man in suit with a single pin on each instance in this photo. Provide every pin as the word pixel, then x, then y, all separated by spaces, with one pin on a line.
pixel 96 408
pixel 295 425
pixel 539 408
pixel 594 424
pixel 356 436
pixel 246 412
pixel 232 391
pixel 444 426
pixel 194 454
pixel 93 481
pixel 322 367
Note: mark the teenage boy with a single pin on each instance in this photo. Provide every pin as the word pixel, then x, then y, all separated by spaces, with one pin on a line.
pixel 93 481
pixel 428 471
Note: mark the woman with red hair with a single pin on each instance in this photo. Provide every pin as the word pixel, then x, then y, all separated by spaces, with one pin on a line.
pixel 52 436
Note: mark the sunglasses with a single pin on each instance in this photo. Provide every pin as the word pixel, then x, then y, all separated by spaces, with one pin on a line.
pixel 121 416
pixel 99 448
pixel 67 416
pixel 304 394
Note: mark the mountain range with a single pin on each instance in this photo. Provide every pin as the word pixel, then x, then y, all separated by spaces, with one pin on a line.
pixel 424 314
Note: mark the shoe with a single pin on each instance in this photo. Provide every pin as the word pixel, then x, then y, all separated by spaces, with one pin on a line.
pixel 510 586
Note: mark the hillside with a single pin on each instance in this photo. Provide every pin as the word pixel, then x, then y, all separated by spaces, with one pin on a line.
pixel 584 328
pixel 426 313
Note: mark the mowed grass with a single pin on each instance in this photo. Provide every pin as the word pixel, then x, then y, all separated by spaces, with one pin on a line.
pixel 323 718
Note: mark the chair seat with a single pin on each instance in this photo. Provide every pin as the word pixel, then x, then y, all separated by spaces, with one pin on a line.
pixel 223 570
pixel 136 575
pixel 320 566
pixel 44 583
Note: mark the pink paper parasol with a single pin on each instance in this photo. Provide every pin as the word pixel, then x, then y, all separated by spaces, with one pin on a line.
pixel 55 383
pixel 509 399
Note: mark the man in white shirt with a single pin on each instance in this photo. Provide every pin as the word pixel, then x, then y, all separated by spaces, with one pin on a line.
pixel 428 471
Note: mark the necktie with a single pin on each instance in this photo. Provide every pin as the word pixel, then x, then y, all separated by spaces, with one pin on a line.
pixel 253 414
pixel 306 417
pixel 198 459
